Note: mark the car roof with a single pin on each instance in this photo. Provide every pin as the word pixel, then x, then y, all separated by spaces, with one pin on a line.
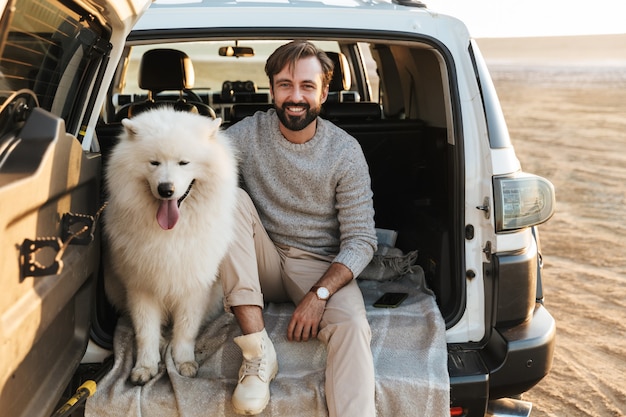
pixel 383 16
pixel 324 4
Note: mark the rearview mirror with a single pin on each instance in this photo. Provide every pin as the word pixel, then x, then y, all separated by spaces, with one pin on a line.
pixel 236 51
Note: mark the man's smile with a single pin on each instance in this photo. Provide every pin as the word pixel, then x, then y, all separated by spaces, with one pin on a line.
pixel 296 110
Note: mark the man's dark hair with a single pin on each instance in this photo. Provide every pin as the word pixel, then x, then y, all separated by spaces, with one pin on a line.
pixel 290 53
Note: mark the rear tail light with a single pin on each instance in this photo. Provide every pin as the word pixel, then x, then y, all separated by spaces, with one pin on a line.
pixel 457 412
pixel 521 201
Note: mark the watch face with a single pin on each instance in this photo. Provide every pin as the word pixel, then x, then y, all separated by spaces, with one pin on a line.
pixel 322 293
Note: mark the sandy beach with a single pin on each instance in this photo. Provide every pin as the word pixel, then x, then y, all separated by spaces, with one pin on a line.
pixel 565 104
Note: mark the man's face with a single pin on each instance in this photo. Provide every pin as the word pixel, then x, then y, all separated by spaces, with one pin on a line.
pixel 298 93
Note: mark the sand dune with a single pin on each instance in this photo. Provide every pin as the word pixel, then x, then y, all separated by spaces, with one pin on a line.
pixel 596 50
pixel 573 131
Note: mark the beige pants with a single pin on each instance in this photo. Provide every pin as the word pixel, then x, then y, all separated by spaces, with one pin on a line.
pixel 257 271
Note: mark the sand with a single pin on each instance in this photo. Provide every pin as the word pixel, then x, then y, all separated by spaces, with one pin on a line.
pixel 565 104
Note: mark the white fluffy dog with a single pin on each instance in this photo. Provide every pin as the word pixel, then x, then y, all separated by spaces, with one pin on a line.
pixel 172 183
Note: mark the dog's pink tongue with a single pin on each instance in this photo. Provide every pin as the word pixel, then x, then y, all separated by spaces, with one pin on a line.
pixel 167 215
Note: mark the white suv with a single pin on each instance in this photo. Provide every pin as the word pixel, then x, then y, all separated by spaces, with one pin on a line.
pixel 411 87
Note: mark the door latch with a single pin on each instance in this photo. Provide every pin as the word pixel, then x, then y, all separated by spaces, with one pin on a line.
pixel 487 250
pixel 76 229
pixel 29 249
pixel 486 207
pixel 73 233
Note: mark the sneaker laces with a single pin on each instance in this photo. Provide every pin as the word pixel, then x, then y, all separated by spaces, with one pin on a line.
pixel 253 367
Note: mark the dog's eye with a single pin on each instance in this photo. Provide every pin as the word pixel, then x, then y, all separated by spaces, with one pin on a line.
pixel 155 163
pixel 183 163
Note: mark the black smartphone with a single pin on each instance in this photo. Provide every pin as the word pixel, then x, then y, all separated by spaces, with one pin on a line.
pixel 391 299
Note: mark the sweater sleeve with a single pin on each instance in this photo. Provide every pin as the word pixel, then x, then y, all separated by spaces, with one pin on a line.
pixel 355 213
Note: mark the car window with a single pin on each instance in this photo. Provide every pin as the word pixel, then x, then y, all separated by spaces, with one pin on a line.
pixel 414 84
pixel 496 123
pixel 52 52
pixel 212 70
pixel 371 70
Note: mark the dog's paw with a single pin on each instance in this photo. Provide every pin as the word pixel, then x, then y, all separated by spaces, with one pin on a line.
pixel 142 374
pixel 188 369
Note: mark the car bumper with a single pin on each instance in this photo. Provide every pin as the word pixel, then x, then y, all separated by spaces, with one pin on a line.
pixel 510 363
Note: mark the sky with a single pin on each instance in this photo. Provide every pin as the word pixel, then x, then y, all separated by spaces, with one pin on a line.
pixel 514 18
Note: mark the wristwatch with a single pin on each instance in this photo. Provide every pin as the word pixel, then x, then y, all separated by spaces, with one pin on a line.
pixel 321 292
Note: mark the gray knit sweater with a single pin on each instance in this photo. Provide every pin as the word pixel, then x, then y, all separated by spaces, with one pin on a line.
pixel 314 196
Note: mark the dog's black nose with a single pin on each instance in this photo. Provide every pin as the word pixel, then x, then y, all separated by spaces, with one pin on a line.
pixel 166 189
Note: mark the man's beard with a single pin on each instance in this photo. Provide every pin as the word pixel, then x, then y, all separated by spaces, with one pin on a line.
pixel 296 123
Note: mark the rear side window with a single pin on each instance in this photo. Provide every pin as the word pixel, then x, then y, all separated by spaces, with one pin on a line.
pixel 496 124
pixel 51 52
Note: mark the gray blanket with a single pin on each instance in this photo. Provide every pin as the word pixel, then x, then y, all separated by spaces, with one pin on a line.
pixel 408 345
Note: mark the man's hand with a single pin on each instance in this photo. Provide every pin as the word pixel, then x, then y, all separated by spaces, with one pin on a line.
pixel 305 321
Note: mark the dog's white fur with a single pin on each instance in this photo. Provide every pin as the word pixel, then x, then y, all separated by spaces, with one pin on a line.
pixel 159 275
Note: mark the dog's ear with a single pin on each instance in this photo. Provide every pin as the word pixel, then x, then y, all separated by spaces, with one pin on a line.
pixel 214 125
pixel 129 125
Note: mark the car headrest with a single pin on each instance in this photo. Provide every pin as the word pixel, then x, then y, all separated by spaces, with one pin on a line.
pixel 165 69
pixel 243 110
pixel 351 111
pixel 341 74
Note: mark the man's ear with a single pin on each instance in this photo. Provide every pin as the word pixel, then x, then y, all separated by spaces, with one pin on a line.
pixel 325 92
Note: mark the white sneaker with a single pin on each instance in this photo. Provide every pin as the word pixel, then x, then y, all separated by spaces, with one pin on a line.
pixel 259 367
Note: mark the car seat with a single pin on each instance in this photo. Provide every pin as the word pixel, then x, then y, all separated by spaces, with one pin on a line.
pixel 166 70
pixel 341 82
